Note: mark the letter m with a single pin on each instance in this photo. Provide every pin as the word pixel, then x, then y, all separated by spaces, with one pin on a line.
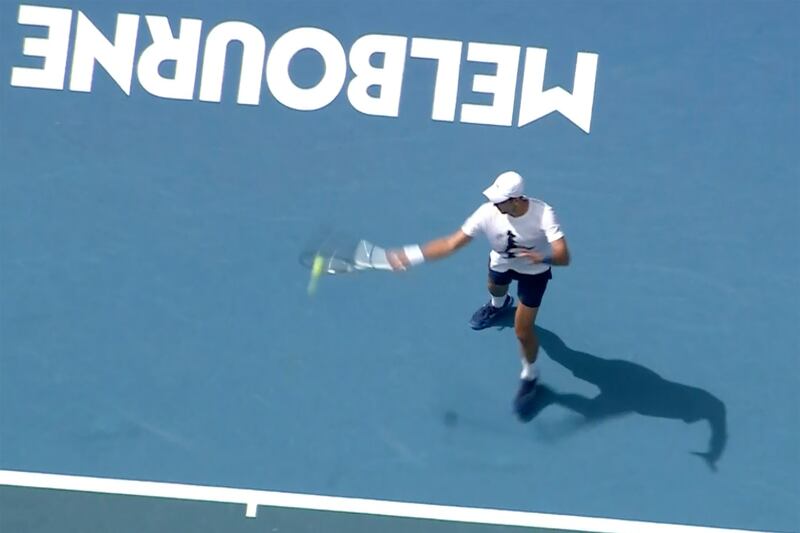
pixel 536 102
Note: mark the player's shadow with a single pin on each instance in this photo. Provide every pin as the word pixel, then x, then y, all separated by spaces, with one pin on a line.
pixel 626 388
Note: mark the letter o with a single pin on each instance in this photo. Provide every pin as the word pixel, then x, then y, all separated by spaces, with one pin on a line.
pixel 277 71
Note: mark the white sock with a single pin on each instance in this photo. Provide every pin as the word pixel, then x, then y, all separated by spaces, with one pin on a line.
pixel 498 301
pixel 529 371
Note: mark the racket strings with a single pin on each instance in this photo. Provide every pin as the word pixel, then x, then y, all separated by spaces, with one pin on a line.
pixel 346 258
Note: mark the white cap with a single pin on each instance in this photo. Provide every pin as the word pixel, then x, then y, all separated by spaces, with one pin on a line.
pixel 507 185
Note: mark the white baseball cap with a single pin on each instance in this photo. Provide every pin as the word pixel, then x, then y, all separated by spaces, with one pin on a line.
pixel 507 185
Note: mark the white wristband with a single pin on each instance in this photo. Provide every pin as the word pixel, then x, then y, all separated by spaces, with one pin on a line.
pixel 414 254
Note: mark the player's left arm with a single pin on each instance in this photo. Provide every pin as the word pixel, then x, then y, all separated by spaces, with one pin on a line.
pixel 560 252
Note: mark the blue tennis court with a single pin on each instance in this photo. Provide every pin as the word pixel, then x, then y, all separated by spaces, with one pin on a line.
pixel 154 319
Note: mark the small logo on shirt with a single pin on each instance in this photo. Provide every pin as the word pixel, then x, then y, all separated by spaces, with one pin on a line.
pixel 512 244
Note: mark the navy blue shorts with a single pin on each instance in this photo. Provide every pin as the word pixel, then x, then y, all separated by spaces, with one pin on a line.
pixel 530 287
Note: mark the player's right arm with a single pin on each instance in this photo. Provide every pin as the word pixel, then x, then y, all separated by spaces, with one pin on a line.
pixel 414 254
pixel 445 246
pixel 432 250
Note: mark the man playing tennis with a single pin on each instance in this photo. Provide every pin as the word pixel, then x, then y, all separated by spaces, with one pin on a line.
pixel 525 239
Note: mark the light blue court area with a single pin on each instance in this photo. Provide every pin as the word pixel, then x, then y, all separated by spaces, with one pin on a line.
pixel 154 319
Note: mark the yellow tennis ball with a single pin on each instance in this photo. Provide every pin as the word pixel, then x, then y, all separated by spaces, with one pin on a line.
pixel 318 266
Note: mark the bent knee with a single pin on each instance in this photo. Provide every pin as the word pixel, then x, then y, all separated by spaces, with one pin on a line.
pixel 496 289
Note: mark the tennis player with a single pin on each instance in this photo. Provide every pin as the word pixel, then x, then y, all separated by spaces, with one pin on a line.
pixel 526 240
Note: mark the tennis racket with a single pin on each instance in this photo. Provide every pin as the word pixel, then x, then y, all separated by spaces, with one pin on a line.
pixel 342 256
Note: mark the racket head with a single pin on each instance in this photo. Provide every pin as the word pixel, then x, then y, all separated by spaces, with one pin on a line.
pixel 333 264
pixel 344 255
pixel 336 249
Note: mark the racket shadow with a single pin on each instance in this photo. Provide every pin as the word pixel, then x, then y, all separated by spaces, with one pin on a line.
pixel 625 388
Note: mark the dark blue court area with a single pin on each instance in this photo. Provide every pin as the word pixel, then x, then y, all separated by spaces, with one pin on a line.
pixel 154 318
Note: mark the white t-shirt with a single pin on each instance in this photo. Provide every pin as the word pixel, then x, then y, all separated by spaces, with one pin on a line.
pixel 534 230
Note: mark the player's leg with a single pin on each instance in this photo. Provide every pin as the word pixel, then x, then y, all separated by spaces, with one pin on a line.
pixel 531 290
pixel 524 320
pixel 497 291
pixel 499 302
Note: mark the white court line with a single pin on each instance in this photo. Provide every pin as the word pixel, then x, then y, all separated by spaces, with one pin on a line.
pixel 253 498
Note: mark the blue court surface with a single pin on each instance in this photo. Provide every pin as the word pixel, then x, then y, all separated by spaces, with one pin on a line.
pixel 155 324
